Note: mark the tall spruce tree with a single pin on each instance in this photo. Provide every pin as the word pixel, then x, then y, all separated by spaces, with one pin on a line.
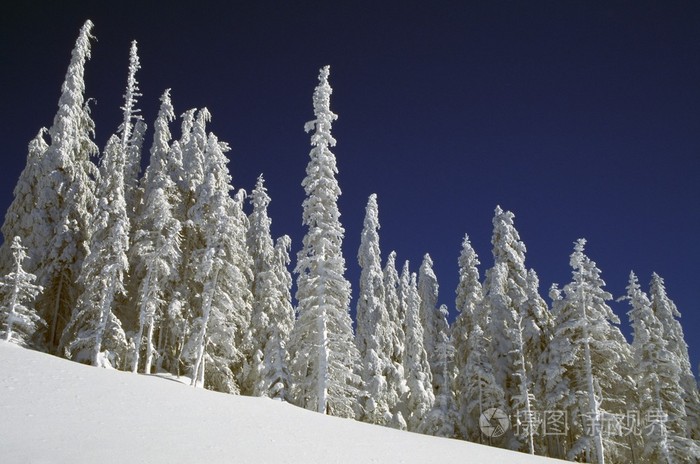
pixel 212 346
pixel 373 325
pixel 276 376
pixel 186 169
pixel 430 319
pixel 322 342
pixel 272 312
pixel 131 132
pixel 396 379
pixel 515 325
pixel 94 334
pixel 667 313
pixel 442 419
pixel 657 373
pixel 480 391
pixel 243 261
pixel 587 371
pixel 62 215
pixel 156 249
pixel 468 302
pixel 420 397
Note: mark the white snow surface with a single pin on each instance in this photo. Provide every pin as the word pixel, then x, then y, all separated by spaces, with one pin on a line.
pixel 58 411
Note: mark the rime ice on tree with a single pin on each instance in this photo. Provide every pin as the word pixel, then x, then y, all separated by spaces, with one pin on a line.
pixel 18 319
pixel 272 312
pixel 323 349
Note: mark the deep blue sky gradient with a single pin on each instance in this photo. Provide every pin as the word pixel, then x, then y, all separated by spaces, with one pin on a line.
pixel 581 117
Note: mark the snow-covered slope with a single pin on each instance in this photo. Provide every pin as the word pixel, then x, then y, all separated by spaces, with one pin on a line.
pixel 57 411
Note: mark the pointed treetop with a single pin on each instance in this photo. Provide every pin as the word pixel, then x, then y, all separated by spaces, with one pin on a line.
pixel 131 95
pixel 259 196
pixel 260 200
pixel 72 100
pixel 507 246
pixel 372 213
pixel 322 111
pixel 658 289
pixel 18 248
pixel 80 54
pixel 161 133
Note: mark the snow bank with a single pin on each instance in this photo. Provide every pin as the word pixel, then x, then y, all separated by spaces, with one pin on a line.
pixel 57 411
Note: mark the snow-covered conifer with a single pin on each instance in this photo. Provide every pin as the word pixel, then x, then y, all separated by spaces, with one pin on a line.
pixel 468 294
pixel 480 391
pixel 131 132
pixel 587 371
pixel 442 420
pixel 325 355
pixel 435 326
pixel 94 334
pixel 20 217
pixel 243 261
pixel 657 372
pixel 275 374
pixel 468 303
pixel 373 325
pixel 62 216
pixel 184 167
pixel 272 312
pixel 420 397
pixel 396 381
pixel 667 313
pixel 212 346
pixel 515 322
pixel 156 250
pixel 19 320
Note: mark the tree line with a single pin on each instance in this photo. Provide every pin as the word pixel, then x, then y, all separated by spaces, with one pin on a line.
pixel 166 271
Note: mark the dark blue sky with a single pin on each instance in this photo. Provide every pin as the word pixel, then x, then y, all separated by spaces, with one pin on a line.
pixel 583 118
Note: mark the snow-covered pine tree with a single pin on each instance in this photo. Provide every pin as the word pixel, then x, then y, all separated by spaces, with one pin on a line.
pixel 404 296
pixel 194 144
pixel 185 168
pixel 20 216
pixel 428 291
pixel 62 215
pixel 657 373
pixel 396 381
pixel 537 327
pixel 420 397
pixel 442 420
pixel 131 132
pixel 587 372
pixel 156 249
pixel 212 345
pixel 480 391
pixel 244 263
pixel 373 325
pixel 322 341
pixel 468 304
pixel 518 383
pixel 515 326
pixel 435 326
pixel 276 375
pixel 94 334
pixel 667 313
pixel 272 312
pixel 19 320
pixel 263 285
